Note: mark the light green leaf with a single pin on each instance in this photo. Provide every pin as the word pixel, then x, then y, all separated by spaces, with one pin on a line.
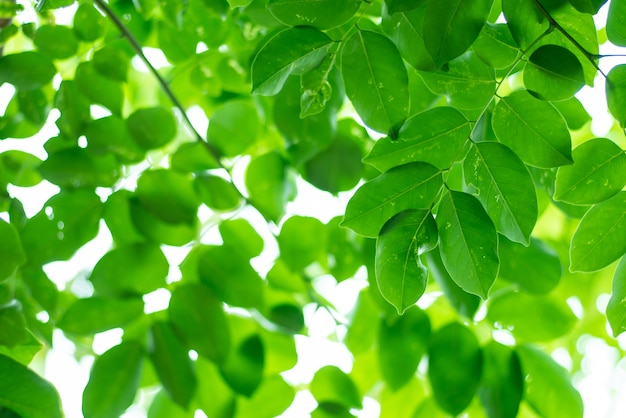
pixel 98 88
pixel 322 14
pixel 574 112
pixel 172 364
pixel 89 24
pixel 294 50
pixel 468 242
pixel 243 369
pixel 13 325
pixel 242 237
pixel 19 168
pixel 316 90
pixel 525 315
pixel 199 317
pixel 178 43
pixel 376 80
pixel 34 105
pixel 364 324
pixel 553 73
pixel 113 62
pixel 152 127
pixel 410 186
pixel 169 195
pixel 405 29
pixel 136 268
pixel 615 30
pixel 233 127
pixel 503 185
pixel 25 393
pixel 56 41
pixel 616 309
pixel 548 388
pixel 74 108
pixel 616 93
pixel 465 303
pixel 495 46
pixel 331 385
pixel 400 275
pixel 451 26
pixel 301 241
pixel 502 382
pixel 535 268
pixel 27 70
pixel 533 129
pixel 78 167
pixel 163 407
pixel 214 396
pixel 525 20
pixel 454 366
pixel 96 314
pixel 11 249
pixel 113 381
pixel 192 157
pixel 270 400
pixel 600 237
pixel 434 136
pixel 117 215
pixel 401 345
pixel 598 172
pixel 268 185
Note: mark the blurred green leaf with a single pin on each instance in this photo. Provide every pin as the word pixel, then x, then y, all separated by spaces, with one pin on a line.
pixel 89 24
pixel 234 127
pixel 331 384
pixel 97 314
pixel 616 93
pixel 502 381
pixel 27 70
pixel 56 41
pixel 152 127
pixel 616 309
pixel 301 241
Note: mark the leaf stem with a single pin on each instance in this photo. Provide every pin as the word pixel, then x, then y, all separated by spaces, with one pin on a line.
pixel 164 86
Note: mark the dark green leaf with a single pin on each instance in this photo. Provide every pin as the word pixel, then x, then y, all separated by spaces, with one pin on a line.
pixel 600 237
pixel 172 364
pixel 469 243
pixel 301 241
pixel 502 381
pixel 169 195
pixel 132 269
pixel 11 249
pixel 28 70
pixel 78 167
pixel 27 394
pixel 315 87
pixel 287 316
pixel 451 26
pixel 525 20
pixel 89 24
pixel 535 269
pixel 199 316
pixel 214 396
pixel 270 400
pixel 117 215
pixel 97 314
pixel 322 14
pixel 152 127
pixel 34 106
pixel 74 108
pixel 163 407
pixel 294 50
pixel 548 388
pixel 553 73
pixel 243 369
pixel 525 315
pixel 615 30
pixel 410 186
pixel 401 346
pixel 56 41
pixel 495 46
pixel 405 29
pixel 376 80
pixel 268 185
pixel 110 134
pixel 504 187
pixel 13 325
pixel 234 127
pixel 113 381
pixel 616 93
pixel 400 275
pixel 112 62
pixel 616 309
pixel 435 136
pixel 331 384
pixel 520 121
pixel 454 367
pixel 395 6
pixel 99 89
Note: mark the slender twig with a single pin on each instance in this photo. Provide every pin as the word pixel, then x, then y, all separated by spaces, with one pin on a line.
pixel 166 88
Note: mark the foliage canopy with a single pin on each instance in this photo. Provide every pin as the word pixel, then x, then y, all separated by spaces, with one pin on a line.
pixel 480 194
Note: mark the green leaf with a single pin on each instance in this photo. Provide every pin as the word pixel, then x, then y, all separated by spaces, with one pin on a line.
pixel 331 385
pixel 322 14
pixel 616 93
pixel 132 269
pixel 110 134
pixel 400 275
pixel 74 108
pixel 199 317
pixel 56 41
pixel 553 73
pixel 192 157
pixel 535 268
pixel 34 106
pixel 502 381
pixel 152 127
pixel 495 46
pixel 228 273
pixel 315 87
pixel 503 185
pixel 533 129
pixel 234 127
pixel 574 113
pixel 27 70
pixel 118 219
pixel 465 303
pixel 89 24
pixel 78 167
pixel 11 249
pixel 405 29
pixel 467 82
pixel 169 195
pixel 525 20
pixel 451 26
pixel 401 345
pixel 243 369
pixel 600 237
pixel 270 400
pixel 615 30
pixel 214 396
pixel 268 185
pixel 293 50
pixel 287 316
pixel 112 62
pixel 98 88
pixel 435 136
pixel 96 314
pixel 598 172
pixel 27 394
pixel 410 186
pixel 454 367
pixel 616 309
pixel 376 80
pixel 163 407
pixel 177 43
pixel 13 324
pixel 242 237
pixel 468 242
pixel 548 388
pixel 172 364
pixel 525 315
pixel 395 6
pixel 301 241
pixel 113 381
